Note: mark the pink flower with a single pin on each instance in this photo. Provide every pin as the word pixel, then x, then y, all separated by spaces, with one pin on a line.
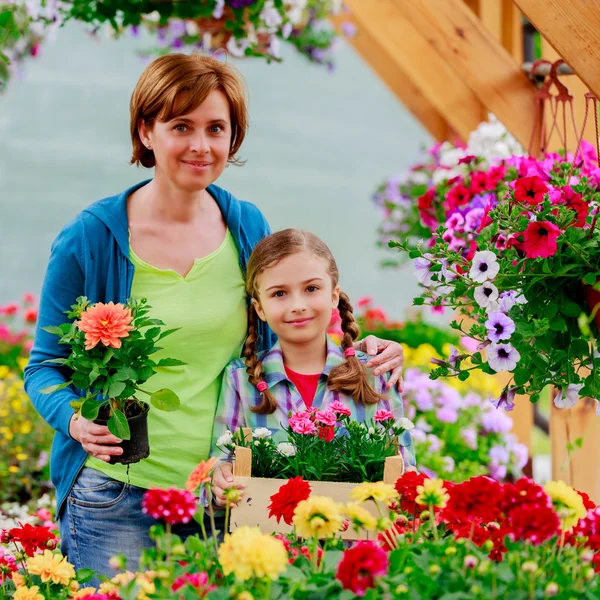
pixel 28 298
pixel 196 580
pixel 339 408
pixel 106 323
pixel 383 415
pixel 298 418
pixel 364 301
pixel 540 239
pixel 9 310
pixel 304 427
pixel 326 417
pixel 172 505
pixel 361 565
pixel 30 315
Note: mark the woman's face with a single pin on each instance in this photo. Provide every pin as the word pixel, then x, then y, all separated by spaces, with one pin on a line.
pixel 191 151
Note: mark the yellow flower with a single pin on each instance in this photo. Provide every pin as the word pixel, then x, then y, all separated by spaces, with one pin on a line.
pixel 359 516
pixel 83 592
pixel 565 498
pixel 244 596
pixel 13 469
pixel 18 580
pixel 317 516
pixel 380 491
pixel 4 372
pixel 106 587
pixel 25 593
pixel 51 567
pixel 432 493
pixel 249 553
pixel 22 456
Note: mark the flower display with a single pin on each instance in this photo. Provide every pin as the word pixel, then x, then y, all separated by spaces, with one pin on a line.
pixel 172 505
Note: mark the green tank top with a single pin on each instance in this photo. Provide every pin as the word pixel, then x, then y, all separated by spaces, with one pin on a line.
pixel 210 308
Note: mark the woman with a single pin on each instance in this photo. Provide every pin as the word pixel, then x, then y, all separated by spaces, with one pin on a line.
pixel 182 243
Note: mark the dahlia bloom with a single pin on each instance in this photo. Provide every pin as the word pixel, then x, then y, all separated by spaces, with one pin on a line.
pixel 172 505
pixel 201 474
pixel 360 565
pixel 51 567
pixel 106 323
pixel 317 516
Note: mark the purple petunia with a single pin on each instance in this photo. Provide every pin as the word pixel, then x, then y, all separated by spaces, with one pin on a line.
pixel 422 270
pixel 499 326
pixel 240 3
pixel 506 399
pixel 503 357
pixel 494 421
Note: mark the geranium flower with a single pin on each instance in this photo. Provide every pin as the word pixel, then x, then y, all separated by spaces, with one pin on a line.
pixel 569 398
pixel 503 357
pixel 379 491
pixel 317 516
pixel 432 493
pixel 201 474
pixel 486 293
pixel 360 566
pixel 539 239
pixel 171 505
pixel 32 538
pixel 530 190
pixel 484 266
pixel 51 567
pixel 339 408
pixel 499 326
pixel 106 323
pixel 284 502
pixel 249 553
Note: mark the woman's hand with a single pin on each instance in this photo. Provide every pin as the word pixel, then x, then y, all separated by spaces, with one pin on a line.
pixel 388 356
pixel 222 479
pixel 96 439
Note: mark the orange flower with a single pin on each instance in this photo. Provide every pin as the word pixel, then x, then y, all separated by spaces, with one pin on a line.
pixel 201 474
pixel 106 323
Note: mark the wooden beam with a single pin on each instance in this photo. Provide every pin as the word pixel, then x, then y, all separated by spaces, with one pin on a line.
pixel 457 35
pixel 512 30
pixel 395 78
pixel 407 46
pixel 572 27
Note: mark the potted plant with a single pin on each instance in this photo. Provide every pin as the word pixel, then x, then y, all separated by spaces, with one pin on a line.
pixel 109 360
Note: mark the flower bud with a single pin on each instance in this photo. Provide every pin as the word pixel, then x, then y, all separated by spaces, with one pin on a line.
pixel 245 595
pixel 178 549
pixel 401 589
pixel 408 570
pixel 488 545
pixel 529 566
pixel 232 495
pixel 345 525
pixel 470 561
pixel 589 574
pixel 484 567
pixel 401 520
pixel 73 586
pixel 5 537
pixel 117 562
pixel 450 551
pixel 51 544
pixel 476 590
pixel 493 526
pixel 551 589
pixel 425 516
pixel 434 569
pixel 163 574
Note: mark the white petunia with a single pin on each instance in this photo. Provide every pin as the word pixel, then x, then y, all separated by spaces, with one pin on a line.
pixel 484 267
pixel 261 433
pixel 486 293
pixel 286 448
pixel 422 269
pixel 406 424
pixel 225 439
pixel 503 357
pixel 568 399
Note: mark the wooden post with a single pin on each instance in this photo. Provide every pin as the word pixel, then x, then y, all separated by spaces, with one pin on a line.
pixel 393 469
pixel 242 464
pixel 572 27
pixel 395 78
pixel 457 35
pixel 406 45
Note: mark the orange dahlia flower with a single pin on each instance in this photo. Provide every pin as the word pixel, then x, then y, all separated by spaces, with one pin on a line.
pixel 106 323
pixel 201 474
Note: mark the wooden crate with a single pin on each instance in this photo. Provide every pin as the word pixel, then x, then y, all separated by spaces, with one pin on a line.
pixel 252 509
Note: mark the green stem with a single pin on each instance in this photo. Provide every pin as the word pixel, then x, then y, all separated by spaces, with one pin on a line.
pixel 433 526
pixel 139 389
pixel 315 559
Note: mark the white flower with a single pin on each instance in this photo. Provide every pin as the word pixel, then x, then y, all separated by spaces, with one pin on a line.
pixel 406 424
pixel 485 266
pixel 237 48
pixel 286 448
pixel 569 399
pixel 371 430
pixel 261 433
pixel 503 357
pixel 440 175
pixel 493 306
pixel 191 28
pixel 225 439
pixel 486 293
pixel 270 16
pixel 422 269
pixel 218 11
pixel 286 30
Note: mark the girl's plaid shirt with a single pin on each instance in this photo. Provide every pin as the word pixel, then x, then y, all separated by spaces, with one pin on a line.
pixel 238 395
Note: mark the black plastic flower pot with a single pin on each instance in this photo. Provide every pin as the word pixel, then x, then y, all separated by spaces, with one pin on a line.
pixel 137 447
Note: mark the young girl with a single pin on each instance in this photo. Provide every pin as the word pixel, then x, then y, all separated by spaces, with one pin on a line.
pixel 292 280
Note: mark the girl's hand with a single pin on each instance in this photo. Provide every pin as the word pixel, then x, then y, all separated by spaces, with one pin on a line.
pixel 222 479
pixel 388 356
pixel 96 439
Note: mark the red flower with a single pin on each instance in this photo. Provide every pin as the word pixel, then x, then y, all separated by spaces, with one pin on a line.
pixel 474 500
pixel 199 581
pixel 524 491
pixel 30 315
pixel 533 523
pixel 172 505
pixel 530 190
pixel 467 160
pixel 459 195
pixel 326 432
pixel 473 531
pixel 360 565
pixel 387 540
pixel 575 202
pixel 540 239
pixel 33 538
pixel 8 565
pixel 406 486
pixel 284 502
pixel 496 174
pixel 480 182
pixel 426 200
pixel 587 501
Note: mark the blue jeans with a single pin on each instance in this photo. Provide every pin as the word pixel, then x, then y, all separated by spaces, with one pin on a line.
pixel 103 517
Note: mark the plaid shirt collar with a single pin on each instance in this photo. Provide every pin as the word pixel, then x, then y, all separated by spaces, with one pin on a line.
pixel 274 370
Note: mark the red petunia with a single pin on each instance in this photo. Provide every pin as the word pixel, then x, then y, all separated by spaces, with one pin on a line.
pixel 172 505
pixel 467 160
pixel 459 195
pixel 426 200
pixel 575 202
pixel 474 500
pixel 530 190
pixel 480 182
pixel 360 565
pixel 540 239
pixel 284 502
pixel 406 486
pixel 496 174
pixel 33 538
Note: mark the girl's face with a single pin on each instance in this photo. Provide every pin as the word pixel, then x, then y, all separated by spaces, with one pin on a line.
pixel 192 150
pixel 296 297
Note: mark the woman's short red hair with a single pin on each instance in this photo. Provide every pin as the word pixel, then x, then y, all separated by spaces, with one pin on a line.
pixel 176 84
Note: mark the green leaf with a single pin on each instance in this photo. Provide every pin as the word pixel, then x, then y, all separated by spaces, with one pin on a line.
pixel 521 376
pixel 570 308
pixel 546 267
pixel 558 324
pixel 151 333
pixel 549 311
pixel 94 374
pixel 170 362
pixel 54 329
pixel 476 358
pixel 108 355
pixel 418 301
pixel 80 380
pixel 85 575
pixel 464 375
pixel 125 373
pixel 165 399
pixel 90 409
pixel 590 278
pixel 56 361
pixel 414 254
pixel 115 388
pixel 168 332
pixel 55 388
pixel 118 425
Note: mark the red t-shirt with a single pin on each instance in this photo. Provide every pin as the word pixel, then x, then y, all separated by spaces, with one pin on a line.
pixel 305 384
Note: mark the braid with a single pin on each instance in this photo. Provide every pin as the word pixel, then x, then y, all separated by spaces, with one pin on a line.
pixel 268 404
pixel 351 377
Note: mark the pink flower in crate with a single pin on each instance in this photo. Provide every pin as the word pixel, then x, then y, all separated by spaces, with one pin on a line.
pixel 383 415
pixel 304 427
pixel 326 417
pixel 339 408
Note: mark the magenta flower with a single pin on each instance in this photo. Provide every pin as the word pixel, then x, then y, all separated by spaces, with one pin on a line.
pixel 326 417
pixel 383 415
pixel 339 408
pixel 304 427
